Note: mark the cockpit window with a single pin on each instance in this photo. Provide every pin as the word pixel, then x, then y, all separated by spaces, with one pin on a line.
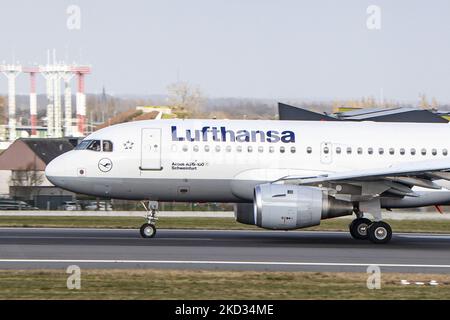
pixel 95 145
pixel 83 145
pixel 107 146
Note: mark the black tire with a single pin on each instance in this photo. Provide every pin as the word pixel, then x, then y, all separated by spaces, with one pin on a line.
pixel 148 230
pixel 379 232
pixel 358 228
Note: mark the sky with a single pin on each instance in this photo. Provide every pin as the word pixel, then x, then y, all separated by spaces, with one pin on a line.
pixel 276 49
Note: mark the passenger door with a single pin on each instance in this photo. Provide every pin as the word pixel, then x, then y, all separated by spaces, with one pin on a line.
pixel 151 149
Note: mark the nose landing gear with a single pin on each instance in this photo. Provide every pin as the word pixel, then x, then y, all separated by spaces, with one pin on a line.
pixel 148 230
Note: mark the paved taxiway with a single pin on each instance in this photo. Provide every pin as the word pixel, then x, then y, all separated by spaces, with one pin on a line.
pixel 22 248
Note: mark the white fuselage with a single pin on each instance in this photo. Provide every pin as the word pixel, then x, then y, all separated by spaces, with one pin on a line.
pixel 223 160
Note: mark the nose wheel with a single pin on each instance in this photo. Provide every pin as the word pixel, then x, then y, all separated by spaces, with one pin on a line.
pixel 378 232
pixel 148 230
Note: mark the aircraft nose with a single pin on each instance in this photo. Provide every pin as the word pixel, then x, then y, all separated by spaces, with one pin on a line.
pixel 54 171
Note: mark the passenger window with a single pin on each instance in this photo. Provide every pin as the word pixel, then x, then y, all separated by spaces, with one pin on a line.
pixel 260 149
pixel 309 150
pixel 217 148
pixel 107 146
pixel 271 149
pixel 282 149
pixel 195 148
pixel 391 151
pixel 228 149
pixel 370 151
pixel 413 151
pixel 206 148
pixel 360 150
pixel 249 149
pixel 444 152
pixel 326 150
pixel 380 150
pixel 402 151
pixel 338 150
pixel 292 149
pixel 423 152
pixel 94 145
pixel 239 148
pixel 185 148
pixel 349 150
pixel 434 152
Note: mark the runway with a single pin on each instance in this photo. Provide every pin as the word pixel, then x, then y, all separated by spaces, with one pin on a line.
pixel 25 248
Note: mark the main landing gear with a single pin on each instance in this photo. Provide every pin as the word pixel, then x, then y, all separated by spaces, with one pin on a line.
pixel 148 230
pixel 378 232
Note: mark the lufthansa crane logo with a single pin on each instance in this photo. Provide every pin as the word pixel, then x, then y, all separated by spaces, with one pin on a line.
pixel 105 165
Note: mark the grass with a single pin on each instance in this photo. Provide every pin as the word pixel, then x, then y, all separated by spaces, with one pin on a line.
pixel 188 284
pixel 433 226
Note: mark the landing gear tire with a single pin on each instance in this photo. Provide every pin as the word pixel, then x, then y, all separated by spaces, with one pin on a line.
pixel 148 230
pixel 379 232
pixel 358 228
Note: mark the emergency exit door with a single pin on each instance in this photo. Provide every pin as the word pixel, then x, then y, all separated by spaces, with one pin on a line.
pixel 150 149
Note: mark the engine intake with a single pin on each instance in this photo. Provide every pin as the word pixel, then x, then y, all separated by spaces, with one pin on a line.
pixel 286 207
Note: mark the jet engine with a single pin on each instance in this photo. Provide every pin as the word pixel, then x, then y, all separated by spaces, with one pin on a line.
pixel 286 207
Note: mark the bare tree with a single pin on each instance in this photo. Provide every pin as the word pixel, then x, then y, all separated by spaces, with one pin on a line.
pixel 28 177
pixel 185 99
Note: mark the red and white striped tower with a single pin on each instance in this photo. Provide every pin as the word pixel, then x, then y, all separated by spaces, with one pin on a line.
pixel 11 72
pixel 81 71
pixel 33 98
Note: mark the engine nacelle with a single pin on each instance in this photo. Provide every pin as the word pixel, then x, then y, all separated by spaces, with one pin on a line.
pixel 286 207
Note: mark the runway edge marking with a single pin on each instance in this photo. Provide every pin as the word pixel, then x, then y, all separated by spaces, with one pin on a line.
pixel 342 264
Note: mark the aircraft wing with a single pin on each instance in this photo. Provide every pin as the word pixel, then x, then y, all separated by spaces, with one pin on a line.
pixel 397 179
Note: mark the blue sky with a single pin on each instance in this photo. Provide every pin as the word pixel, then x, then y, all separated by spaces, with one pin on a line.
pixel 280 49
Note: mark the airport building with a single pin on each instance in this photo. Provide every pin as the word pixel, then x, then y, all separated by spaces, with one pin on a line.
pixel 22 172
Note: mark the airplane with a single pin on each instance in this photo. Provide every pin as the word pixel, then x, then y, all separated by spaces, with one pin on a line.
pixel 282 175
